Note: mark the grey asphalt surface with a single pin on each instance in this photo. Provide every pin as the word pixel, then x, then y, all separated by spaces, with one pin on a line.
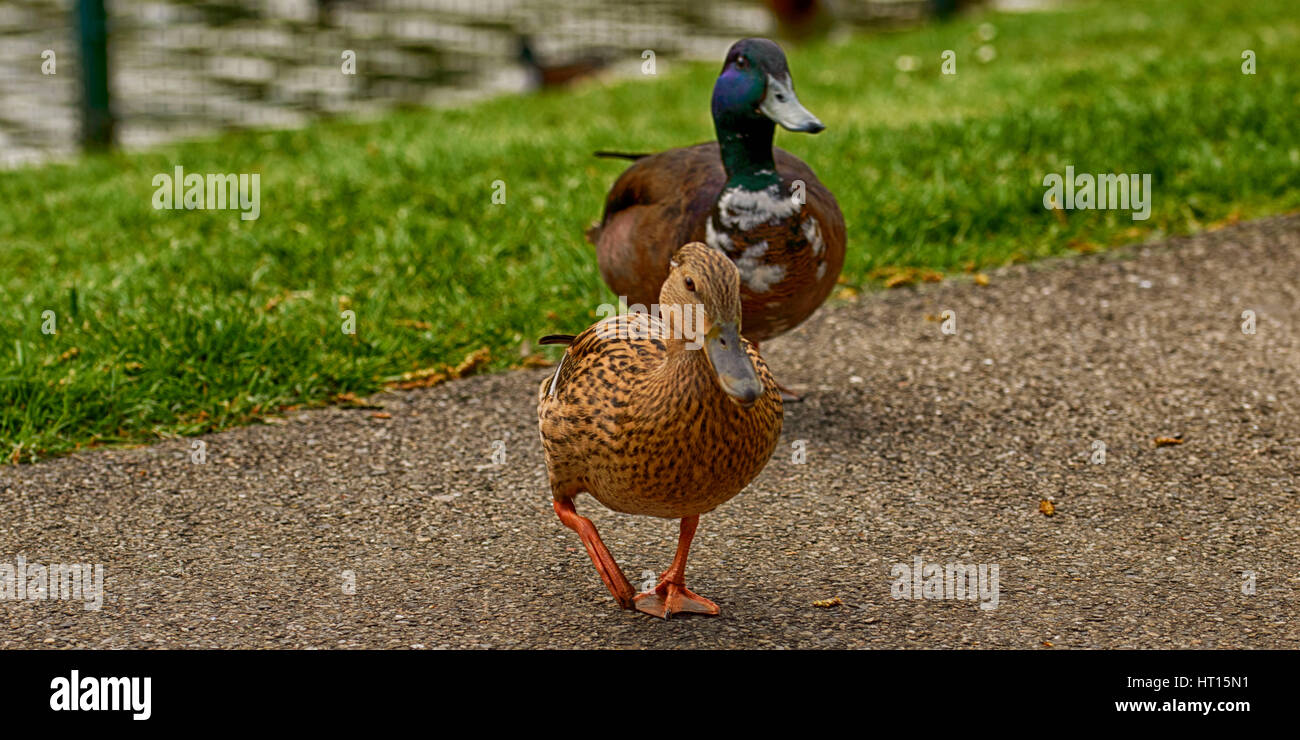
pixel 918 443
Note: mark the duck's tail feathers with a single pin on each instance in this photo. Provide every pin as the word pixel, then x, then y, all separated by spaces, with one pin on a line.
pixel 565 339
pixel 620 155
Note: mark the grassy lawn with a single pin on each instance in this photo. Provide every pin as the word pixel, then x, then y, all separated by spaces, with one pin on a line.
pixel 181 322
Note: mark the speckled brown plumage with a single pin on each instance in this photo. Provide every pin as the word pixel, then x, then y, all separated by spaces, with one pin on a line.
pixel 642 425
pixel 667 199
pixel 636 417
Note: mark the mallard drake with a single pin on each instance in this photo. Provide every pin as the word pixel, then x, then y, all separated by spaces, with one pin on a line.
pixel 666 415
pixel 738 195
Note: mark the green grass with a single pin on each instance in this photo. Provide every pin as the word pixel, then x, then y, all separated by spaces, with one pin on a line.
pixel 163 319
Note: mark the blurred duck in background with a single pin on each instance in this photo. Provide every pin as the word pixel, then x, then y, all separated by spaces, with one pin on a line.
pixel 800 20
pixel 544 74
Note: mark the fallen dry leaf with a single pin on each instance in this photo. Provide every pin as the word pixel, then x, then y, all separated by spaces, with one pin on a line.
pixel 899 280
pixel 472 362
pixel 981 279
pixel 896 277
pixel 1232 219
pixel 828 603
pixel 413 324
pixel 1047 507
pixel 431 376
pixel 349 400
pixel 423 378
pixel 1168 441
pixel 381 415
pixel 1058 211
pixel 288 295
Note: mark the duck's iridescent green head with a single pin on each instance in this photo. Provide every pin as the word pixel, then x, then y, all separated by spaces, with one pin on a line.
pixel 755 87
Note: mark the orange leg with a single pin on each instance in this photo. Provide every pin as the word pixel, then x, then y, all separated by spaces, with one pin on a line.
pixel 671 595
pixel 609 571
pixel 787 395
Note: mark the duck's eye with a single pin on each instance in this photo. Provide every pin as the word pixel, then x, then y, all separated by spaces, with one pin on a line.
pixel 741 62
pixel 690 285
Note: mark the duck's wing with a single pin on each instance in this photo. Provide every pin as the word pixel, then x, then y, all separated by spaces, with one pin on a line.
pixel 612 352
pixel 818 198
pixel 549 385
pixel 655 206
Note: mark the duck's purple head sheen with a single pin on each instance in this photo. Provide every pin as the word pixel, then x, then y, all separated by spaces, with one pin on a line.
pixel 755 84
pixel 707 279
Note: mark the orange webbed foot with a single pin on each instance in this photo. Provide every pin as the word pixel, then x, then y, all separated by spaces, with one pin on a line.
pixel 669 598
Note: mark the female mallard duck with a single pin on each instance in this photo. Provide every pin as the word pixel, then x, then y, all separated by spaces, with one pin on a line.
pixel 737 195
pixel 637 416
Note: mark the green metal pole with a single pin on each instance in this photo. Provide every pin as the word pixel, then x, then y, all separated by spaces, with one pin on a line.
pixel 92 38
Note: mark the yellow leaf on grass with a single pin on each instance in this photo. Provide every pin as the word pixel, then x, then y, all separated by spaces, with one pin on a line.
pixel 430 376
pixel 414 324
pixel 896 277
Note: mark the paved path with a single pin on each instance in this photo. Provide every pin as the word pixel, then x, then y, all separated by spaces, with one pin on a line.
pixel 918 444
